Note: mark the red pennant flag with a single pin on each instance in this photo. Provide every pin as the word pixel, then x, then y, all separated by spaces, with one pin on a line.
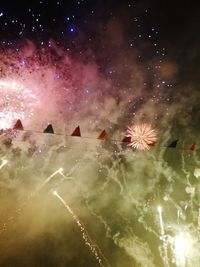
pixel 127 139
pixel 193 146
pixel 152 144
pixel 76 132
pixel 18 126
pixel 103 135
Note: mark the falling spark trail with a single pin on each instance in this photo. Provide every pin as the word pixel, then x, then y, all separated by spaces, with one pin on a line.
pixel 161 221
pixel 67 176
pixel 3 163
pixel 47 180
pixel 199 223
pixel 85 235
pixel 162 233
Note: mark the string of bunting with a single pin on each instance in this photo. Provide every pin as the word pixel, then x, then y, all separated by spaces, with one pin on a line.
pixel 103 136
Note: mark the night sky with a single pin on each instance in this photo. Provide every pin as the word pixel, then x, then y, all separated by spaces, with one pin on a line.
pixel 100 65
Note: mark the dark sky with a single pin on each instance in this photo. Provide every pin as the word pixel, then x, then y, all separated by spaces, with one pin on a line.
pixel 177 22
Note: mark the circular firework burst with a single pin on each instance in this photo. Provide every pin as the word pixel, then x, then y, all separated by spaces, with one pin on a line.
pixel 16 102
pixel 141 136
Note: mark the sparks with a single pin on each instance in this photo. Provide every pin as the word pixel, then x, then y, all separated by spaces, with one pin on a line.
pixel 183 244
pixel 159 208
pixel 142 136
pixel 17 102
pixel 162 236
pixel 4 162
pixel 85 236
pixel 47 180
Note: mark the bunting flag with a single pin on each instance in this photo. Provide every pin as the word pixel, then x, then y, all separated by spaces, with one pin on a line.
pixel 103 135
pixel 18 126
pixel 76 132
pixel 49 129
pixel 173 144
pixel 152 144
pixel 193 146
pixel 126 139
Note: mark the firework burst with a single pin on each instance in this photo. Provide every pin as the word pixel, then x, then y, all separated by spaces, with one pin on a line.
pixel 17 102
pixel 142 136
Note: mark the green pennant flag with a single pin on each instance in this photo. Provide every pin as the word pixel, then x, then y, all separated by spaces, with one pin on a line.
pixel 49 129
pixel 173 144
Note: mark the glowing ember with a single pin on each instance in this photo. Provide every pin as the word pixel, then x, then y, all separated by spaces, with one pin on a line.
pixel 17 102
pixel 183 244
pixel 142 136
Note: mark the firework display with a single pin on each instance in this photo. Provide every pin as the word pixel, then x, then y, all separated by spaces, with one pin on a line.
pixel 17 102
pixel 142 136
pixel 99 130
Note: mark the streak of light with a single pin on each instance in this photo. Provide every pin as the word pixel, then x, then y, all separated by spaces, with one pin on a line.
pixel 47 180
pixel 4 162
pixel 85 236
pixel 199 222
pixel 159 208
pixel 162 236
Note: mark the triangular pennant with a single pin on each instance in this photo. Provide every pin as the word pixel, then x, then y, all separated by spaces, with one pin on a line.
pixel 76 132
pixel 126 139
pixel 49 129
pixel 18 125
pixel 193 146
pixel 173 144
pixel 103 135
